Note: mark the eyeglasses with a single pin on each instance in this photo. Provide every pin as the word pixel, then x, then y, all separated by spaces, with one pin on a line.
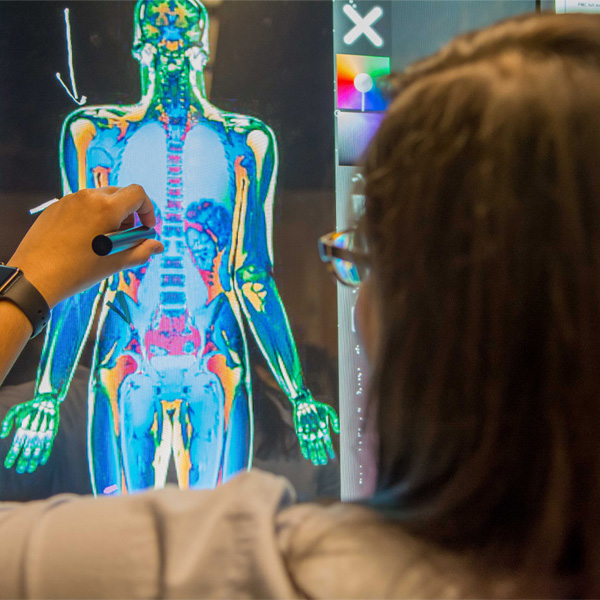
pixel 342 252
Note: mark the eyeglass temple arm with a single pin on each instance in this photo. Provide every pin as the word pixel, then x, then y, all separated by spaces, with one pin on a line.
pixel 328 252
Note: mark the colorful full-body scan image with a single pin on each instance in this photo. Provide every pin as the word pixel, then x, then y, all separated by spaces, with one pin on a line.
pixel 170 377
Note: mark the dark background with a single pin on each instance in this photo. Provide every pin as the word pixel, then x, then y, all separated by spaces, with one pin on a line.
pixel 270 59
pixel 273 60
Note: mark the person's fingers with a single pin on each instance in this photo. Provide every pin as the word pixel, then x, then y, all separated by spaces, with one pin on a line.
pixel 128 223
pixel 134 257
pixel 80 200
pixel 133 199
pixel 141 253
pixel 110 189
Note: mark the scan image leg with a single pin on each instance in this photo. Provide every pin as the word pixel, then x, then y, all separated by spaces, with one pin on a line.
pixel 103 452
pixel 109 367
pixel 139 415
pixel 238 438
pixel 230 363
pixel 206 415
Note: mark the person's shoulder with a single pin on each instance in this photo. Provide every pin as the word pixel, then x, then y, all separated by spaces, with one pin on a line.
pixel 350 550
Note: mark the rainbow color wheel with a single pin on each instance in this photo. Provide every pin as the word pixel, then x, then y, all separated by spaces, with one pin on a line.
pixel 357 82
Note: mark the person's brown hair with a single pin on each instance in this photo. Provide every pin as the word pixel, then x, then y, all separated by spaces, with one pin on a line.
pixel 483 223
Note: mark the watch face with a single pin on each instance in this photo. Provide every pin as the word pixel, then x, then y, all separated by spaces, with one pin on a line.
pixel 6 273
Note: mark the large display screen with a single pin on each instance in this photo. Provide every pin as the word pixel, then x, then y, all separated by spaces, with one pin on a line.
pixel 221 353
pixel 246 123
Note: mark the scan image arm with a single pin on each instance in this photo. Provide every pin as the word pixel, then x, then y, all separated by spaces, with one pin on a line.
pixel 260 299
pixel 36 421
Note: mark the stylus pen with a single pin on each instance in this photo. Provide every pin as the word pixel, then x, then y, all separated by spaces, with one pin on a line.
pixel 41 207
pixel 117 241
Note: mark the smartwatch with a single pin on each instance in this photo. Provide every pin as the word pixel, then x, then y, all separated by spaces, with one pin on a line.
pixel 16 289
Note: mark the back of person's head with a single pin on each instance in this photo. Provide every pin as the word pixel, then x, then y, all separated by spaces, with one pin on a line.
pixel 483 224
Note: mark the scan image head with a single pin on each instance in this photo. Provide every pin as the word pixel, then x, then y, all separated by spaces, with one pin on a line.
pixel 171 35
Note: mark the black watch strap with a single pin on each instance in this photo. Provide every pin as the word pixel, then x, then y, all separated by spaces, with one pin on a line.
pixel 26 297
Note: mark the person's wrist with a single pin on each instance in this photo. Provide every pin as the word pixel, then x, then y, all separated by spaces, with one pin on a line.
pixel 15 315
pixel 34 273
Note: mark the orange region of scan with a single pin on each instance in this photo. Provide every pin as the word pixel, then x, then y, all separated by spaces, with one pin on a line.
pixel 112 379
pixel 229 377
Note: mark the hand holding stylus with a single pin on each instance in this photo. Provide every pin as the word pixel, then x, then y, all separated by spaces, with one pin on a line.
pixel 56 254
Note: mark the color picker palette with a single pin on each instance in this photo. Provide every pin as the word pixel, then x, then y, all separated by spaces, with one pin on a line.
pixel 357 81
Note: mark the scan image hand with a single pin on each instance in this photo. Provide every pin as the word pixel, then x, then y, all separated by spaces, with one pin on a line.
pixel 36 423
pixel 312 420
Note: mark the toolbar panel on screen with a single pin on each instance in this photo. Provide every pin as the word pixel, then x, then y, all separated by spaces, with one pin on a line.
pixel 371 40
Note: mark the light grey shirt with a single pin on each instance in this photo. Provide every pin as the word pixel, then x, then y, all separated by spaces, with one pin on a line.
pixel 246 539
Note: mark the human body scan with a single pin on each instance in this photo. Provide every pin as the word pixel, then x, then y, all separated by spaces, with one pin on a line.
pixel 170 375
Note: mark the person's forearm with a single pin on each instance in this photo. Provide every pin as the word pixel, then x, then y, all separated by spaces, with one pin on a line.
pixel 15 330
pixel 60 270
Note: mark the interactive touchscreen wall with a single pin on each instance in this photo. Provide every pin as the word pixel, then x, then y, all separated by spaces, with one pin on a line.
pixel 170 377
pixel 176 386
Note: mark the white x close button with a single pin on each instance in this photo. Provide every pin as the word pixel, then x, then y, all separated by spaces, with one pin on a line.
pixel 363 25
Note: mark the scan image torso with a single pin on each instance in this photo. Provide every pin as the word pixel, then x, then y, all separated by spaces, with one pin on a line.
pixel 179 365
